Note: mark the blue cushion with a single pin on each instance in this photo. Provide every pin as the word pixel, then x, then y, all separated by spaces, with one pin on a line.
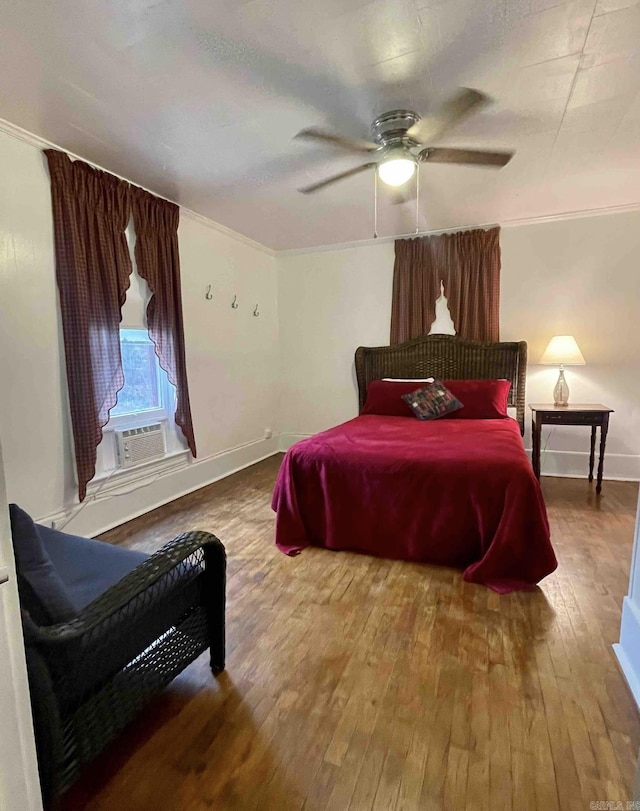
pixel 43 592
pixel 87 568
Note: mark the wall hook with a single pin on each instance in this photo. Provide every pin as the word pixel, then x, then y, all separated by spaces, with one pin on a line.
pixel 208 295
pixel 234 303
pixel 255 312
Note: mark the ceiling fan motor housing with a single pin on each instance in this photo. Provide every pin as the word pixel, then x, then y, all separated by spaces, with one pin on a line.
pixel 390 129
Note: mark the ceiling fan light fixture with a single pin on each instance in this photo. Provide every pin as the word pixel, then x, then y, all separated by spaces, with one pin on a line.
pixel 396 169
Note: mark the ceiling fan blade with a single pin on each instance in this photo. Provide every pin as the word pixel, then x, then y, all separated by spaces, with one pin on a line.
pixel 459 106
pixel 335 178
pixel 351 144
pixel 477 157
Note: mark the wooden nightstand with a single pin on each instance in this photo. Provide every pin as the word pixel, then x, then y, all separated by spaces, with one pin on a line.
pixel 592 414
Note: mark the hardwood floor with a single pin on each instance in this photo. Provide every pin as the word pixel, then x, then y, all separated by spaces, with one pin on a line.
pixel 354 683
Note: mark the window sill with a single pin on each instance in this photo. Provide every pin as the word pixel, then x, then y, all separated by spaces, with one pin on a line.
pixel 153 469
pixel 142 418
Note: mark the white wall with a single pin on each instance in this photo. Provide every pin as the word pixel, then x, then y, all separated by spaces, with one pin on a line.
pixel 628 649
pixel 329 303
pixel 19 783
pixel 232 357
pixel 577 276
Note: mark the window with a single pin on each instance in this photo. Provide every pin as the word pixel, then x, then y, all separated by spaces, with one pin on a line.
pixel 443 323
pixel 142 382
pixel 147 395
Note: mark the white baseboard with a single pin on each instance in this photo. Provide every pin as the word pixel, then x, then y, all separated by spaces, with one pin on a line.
pixel 116 505
pixel 628 649
pixel 575 465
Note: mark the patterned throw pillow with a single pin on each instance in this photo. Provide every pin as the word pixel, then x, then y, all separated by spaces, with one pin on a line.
pixel 432 401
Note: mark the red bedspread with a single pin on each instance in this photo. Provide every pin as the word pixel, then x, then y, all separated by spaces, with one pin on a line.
pixel 452 492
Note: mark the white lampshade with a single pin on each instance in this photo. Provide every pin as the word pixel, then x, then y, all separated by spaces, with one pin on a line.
pixel 397 168
pixel 562 350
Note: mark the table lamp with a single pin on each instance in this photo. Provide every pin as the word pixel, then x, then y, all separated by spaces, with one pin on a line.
pixel 562 351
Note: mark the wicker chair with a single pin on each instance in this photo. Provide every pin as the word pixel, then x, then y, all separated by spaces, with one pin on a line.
pixel 90 676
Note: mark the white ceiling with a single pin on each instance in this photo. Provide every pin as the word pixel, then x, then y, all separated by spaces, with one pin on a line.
pixel 198 100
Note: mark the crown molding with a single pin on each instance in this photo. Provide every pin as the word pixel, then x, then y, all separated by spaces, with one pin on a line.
pixel 514 223
pixel 225 231
pixel 23 135
pixel 38 142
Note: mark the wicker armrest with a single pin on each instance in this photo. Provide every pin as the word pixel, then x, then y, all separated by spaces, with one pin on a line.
pixel 174 557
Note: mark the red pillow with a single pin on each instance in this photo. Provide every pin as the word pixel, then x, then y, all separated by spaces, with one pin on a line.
pixel 482 399
pixel 384 397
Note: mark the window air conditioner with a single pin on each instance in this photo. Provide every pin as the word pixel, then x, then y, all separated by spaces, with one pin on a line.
pixel 138 445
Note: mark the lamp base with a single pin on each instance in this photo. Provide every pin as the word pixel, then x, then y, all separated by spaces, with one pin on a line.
pixel 561 391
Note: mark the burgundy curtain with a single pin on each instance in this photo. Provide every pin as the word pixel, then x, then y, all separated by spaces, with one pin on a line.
pixel 471 275
pixel 158 262
pixel 467 263
pixel 416 287
pixel 93 268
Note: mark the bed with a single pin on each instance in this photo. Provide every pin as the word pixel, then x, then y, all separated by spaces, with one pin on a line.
pixel 453 492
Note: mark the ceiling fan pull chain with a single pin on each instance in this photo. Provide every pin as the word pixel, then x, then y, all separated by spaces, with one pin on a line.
pixel 417 198
pixel 375 203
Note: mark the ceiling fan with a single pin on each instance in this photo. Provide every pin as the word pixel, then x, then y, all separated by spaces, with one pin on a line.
pixel 401 139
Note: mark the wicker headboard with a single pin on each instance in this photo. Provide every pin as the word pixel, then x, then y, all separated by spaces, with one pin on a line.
pixel 447 357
